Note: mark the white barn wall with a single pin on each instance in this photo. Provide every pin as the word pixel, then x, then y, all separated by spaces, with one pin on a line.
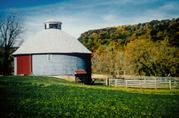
pixel 60 64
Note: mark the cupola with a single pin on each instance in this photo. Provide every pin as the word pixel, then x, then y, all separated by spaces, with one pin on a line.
pixel 53 25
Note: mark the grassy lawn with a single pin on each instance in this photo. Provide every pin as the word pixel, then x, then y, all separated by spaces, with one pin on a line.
pixel 50 97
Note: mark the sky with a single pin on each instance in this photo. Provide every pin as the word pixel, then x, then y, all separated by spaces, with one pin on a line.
pixel 79 16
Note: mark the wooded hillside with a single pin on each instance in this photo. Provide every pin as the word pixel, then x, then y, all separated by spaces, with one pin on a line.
pixel 149 48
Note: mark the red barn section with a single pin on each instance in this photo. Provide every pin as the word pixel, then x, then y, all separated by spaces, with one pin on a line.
pixel 24 64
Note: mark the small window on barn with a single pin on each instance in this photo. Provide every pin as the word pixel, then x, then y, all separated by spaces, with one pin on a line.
pixel 49 57
pixel 55 26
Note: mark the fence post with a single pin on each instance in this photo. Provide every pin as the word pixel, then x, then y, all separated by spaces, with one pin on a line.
pixel 155 83
pixel 144 81
pixel 115 82
pixel 107 81
pixel 140 82
pixel 126 83
pixel 170 84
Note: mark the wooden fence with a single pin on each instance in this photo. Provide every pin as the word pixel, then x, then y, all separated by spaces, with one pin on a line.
pixel 146 83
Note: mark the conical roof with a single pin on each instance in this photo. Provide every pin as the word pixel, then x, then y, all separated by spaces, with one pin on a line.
pixel 51 41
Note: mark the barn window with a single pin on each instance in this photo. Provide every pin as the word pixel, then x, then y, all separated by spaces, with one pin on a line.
pixel 49 57
pixel 53 26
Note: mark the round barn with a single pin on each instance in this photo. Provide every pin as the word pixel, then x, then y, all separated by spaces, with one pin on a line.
pixel 52 52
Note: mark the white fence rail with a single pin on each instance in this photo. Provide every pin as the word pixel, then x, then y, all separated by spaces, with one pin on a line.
pixel 163 83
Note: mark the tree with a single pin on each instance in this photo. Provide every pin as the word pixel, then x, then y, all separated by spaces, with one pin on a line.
pixel 145 57
pixel 149 48
pixel 108 59
pixel 10 29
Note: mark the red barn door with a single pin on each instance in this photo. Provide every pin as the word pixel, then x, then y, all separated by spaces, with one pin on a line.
pixel 24 64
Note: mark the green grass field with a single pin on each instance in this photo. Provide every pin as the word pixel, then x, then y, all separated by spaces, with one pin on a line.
pixel 50 97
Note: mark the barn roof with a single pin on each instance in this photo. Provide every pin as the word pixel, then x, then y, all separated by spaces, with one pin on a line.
pixel 51 41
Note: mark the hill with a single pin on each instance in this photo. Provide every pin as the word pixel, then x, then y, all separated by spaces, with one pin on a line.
pixel 143 49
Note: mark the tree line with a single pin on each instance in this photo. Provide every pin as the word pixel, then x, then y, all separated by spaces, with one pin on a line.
pixel 149 49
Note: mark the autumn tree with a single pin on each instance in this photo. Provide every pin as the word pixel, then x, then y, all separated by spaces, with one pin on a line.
pixel 109 59
pixel 150 48
pixel 145 57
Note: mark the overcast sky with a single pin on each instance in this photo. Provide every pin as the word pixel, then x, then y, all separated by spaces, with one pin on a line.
pixel 79 16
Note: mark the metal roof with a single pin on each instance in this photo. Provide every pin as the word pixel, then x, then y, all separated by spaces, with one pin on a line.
pixel 51 41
